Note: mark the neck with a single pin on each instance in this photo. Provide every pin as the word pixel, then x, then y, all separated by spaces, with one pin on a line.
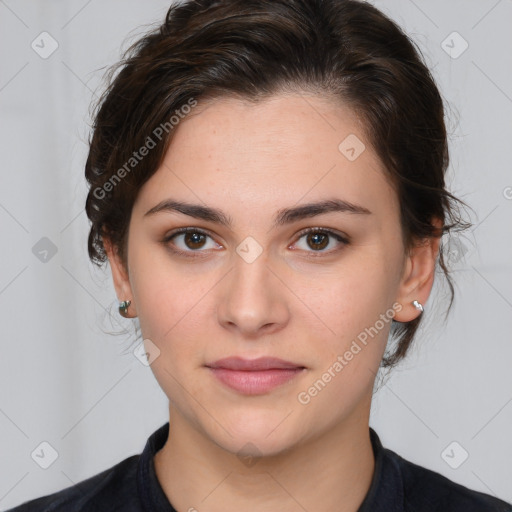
pixel 330 473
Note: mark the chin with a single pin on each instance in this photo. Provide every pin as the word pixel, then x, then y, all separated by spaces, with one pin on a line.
pixel 252 447
pixel 257 434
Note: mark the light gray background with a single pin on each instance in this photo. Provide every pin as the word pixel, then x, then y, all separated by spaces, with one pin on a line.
pixel 66 381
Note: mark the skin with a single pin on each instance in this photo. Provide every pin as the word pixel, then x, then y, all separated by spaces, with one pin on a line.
pixel 251 161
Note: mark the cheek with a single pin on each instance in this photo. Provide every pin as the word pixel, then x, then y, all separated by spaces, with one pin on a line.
pixel 174 306
pixel 353 295
pixel 172 311
pixel 355 302
pixel 173 314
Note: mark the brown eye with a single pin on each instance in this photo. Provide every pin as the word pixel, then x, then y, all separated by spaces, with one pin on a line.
pixel 317 241
pixel 194 240
pixel 190 242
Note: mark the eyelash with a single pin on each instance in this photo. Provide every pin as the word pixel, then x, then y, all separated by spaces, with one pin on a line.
pixel 313 254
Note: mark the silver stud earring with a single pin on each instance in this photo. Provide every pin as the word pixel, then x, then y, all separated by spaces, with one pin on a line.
pixel 123 307
pixel 418 305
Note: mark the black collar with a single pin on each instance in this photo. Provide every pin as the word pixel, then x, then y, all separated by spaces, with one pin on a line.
pixel 386 493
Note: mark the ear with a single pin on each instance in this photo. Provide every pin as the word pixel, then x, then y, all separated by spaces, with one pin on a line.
pixel 418 275
pixel 120 277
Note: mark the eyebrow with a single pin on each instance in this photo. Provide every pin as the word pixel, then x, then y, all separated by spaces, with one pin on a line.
pixel 284 216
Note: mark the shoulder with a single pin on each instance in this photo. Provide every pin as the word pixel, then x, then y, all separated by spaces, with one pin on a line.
pixel 426 490
pixel 111 490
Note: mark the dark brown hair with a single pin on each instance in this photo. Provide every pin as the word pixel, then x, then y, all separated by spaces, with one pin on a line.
pixel 342 49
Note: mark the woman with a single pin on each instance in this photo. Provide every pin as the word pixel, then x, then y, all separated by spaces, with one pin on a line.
pixel 267 184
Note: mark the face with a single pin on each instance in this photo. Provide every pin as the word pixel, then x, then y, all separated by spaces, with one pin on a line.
pixel 263 273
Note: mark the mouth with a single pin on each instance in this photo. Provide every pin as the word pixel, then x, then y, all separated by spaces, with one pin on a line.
pixel 254 376
pixel 254 365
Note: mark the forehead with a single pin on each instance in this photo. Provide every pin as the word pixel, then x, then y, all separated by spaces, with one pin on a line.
pixel 273 153
pixel 292 125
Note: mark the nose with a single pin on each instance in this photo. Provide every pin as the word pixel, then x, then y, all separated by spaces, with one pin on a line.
pixel 253 299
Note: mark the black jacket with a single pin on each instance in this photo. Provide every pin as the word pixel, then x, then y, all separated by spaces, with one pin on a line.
pixel 397 486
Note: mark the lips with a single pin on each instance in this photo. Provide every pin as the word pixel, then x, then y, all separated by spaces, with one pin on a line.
pixel 254 376
pixel 254 365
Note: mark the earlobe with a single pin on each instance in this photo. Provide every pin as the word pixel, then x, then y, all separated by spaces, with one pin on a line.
pixel 418 278
pixel 121 280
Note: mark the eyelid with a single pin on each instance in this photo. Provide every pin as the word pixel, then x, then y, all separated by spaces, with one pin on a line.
pixel 329 231
pixel 187 229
